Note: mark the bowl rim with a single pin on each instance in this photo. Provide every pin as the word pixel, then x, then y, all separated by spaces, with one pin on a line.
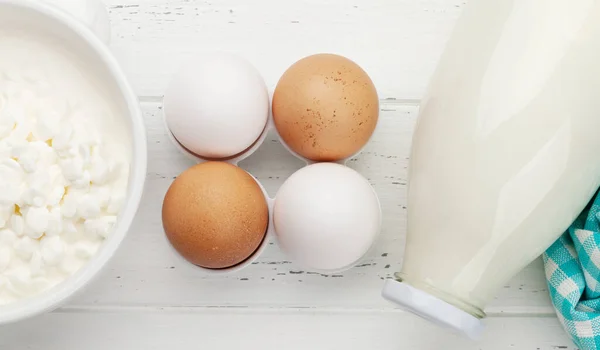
pixel 58 295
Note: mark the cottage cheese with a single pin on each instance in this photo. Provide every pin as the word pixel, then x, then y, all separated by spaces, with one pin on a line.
pixel 64 162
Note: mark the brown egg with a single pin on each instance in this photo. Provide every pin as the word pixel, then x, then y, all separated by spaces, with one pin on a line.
pixel 325 107
pixel 215 215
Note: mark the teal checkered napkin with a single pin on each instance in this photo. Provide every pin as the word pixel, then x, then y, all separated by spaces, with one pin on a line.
pixel 573 272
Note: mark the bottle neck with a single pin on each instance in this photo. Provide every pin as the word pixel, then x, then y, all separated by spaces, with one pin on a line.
pixel 448 298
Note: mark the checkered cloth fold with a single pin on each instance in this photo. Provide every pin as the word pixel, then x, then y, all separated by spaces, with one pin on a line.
pixel 572 267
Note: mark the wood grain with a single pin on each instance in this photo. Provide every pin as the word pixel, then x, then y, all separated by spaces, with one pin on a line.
pixel 147 272
pixel 187 329
pixel 149 298
pixel 398 42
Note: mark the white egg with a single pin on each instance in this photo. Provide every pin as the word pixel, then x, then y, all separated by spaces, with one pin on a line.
pixel 217 105
pixel 326 216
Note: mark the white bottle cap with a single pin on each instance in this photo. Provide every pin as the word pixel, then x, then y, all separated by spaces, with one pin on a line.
pixel 432 309
pixel 92 13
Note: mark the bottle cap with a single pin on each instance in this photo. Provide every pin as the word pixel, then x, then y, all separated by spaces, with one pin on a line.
pixel 432 308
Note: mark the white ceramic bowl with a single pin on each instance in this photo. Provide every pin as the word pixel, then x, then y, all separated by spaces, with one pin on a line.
pixel 90 50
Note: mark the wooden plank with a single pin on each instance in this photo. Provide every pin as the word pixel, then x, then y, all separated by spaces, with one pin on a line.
pixel 148 298
pixel 398 42
pixel 147 272
pixel 268 329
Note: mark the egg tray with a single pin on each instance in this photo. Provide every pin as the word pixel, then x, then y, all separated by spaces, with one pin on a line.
pixel 235 160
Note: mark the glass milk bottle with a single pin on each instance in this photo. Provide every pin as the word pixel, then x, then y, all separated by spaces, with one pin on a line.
pixel 506 153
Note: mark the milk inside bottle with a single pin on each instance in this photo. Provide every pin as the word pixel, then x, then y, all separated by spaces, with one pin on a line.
pixel 505 155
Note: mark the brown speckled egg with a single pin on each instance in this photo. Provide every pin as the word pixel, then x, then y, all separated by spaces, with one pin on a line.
pixel 325 108
pixel 215 215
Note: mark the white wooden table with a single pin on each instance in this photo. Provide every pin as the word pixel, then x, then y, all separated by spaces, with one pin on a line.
pixel 148 299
